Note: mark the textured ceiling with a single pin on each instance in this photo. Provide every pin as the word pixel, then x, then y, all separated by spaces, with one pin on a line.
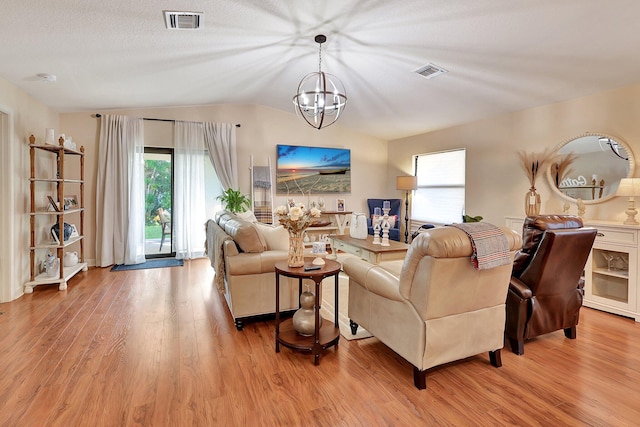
pixel 502 55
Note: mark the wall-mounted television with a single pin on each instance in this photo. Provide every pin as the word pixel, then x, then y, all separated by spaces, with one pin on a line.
pixel 301 169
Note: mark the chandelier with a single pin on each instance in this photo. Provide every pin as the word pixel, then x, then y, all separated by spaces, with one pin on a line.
pixel 321 97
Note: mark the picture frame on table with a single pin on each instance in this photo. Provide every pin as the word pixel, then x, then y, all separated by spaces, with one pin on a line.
pixel 53 205
pixel 340 206
pixel 74 231
pixel 71 202
pixel 55 237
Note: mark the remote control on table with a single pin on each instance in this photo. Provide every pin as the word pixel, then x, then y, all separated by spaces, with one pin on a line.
pixel 312 267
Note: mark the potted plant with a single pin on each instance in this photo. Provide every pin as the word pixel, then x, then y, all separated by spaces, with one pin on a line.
pixel 234 201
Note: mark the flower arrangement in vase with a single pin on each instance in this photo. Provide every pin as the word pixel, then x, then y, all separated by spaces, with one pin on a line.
pixel 533 164
pixel 296 219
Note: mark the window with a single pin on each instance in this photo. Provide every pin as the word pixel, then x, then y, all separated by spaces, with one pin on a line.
pixel 441 187
pixel 158 196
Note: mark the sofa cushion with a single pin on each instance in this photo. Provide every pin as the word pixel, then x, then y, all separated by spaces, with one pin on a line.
pixel 244 233
pixel 247 216
pixel 276 237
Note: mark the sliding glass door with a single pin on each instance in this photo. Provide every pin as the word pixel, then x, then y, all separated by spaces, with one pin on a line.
pixel 158 182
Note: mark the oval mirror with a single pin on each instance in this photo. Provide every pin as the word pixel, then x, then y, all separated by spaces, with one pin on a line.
pixel 590 168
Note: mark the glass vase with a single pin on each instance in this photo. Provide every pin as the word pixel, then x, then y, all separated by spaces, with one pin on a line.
pixel 296 249
pixel 532 202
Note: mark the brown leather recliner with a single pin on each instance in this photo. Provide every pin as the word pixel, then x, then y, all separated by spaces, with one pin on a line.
pixel 546 288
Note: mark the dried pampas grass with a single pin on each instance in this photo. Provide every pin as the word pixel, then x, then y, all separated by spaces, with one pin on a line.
pixel 533 163
pixel 560 168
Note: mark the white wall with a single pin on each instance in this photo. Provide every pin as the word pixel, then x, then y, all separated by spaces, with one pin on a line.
pixel 261 130
pixel 21 115
pixel 496 184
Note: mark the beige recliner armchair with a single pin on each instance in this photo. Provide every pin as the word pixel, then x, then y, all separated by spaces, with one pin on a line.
pixel 433 307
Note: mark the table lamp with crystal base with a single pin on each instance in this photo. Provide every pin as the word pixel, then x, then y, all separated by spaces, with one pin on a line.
pixel 630 187
pixel 406 183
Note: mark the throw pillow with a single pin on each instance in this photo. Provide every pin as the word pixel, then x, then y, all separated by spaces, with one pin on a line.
pixel 247 216
pixel 276 237
pixel 244 233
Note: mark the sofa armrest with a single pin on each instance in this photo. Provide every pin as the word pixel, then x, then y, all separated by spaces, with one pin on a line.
pixel 518 288
pixel 374 278
pixel 230 248
pixel 254 263
pixel 243 264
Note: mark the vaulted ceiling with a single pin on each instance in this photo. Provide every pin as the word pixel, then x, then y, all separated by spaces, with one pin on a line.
pixel 501 55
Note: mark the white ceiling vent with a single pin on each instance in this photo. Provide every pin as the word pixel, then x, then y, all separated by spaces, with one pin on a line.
pixel 182 20
pixel 430 70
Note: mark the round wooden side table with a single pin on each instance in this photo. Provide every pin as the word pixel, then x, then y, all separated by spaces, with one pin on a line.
pixel 324 336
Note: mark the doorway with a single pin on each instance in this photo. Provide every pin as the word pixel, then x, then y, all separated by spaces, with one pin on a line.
pixel 10 281
pixel 158 182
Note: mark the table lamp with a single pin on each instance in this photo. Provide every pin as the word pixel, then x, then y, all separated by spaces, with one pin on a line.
pixel 630 187
pixel 406 183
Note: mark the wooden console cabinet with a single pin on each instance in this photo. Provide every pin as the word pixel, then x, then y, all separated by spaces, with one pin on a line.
pixel 611 273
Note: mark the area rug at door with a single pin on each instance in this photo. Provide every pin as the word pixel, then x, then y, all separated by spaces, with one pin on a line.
pixel 327 308
pixel 150 263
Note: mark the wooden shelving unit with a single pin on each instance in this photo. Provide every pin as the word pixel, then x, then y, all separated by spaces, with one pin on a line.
pixel 39 244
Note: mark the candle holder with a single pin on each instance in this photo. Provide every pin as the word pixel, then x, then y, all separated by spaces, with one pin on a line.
pixel 376 220
pixel 376 229
pixel 385 224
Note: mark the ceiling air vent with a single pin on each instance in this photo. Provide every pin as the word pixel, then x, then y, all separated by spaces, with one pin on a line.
pixel 430 70
pixel 182 20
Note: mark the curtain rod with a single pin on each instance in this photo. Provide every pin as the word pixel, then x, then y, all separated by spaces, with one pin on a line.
pixel 98 115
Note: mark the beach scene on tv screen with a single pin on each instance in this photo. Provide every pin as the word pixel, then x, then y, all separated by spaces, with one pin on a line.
pixel 301 169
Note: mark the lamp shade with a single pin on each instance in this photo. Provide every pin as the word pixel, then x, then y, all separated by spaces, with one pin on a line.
pixel 629 187
pixel 406 183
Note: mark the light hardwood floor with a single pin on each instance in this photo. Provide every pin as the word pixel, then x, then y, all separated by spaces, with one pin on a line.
pixel 158 347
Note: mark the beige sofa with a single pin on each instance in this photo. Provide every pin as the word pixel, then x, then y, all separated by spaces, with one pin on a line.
pixel 243 255
pixel 433 307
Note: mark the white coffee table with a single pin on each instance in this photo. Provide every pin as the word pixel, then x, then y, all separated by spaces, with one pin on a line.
pixel 365 249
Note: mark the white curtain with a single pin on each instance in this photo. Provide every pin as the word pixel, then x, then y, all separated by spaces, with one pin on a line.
pixel 220 140
pixel 189 195
pixel 120 192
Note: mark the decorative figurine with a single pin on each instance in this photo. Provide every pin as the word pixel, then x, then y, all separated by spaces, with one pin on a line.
pixel 581 208
pixel 376 225
pixel 51 265
pixel 385 225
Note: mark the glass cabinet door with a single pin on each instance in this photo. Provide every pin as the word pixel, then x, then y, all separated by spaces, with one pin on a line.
pixel 611 276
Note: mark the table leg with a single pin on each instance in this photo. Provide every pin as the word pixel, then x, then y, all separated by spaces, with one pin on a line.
pixel 277 311
pixel 317 348
pixel 337 291
pixel 336 311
